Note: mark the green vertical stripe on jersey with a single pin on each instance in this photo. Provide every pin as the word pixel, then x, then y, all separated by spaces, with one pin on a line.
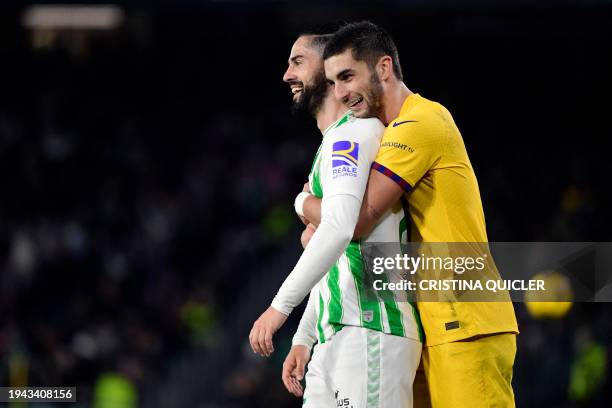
pixel 343 119
pixel 319 327
pixel 396 325
pixel 316 157
pixel 347 115
pixel 335 298
pixel 415 311
pixel 317 190
pixel 394 315
pixel 369 306
pixel 403 226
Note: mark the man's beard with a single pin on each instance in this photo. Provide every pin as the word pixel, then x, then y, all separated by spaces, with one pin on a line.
pixel 312 97
pixel 373 95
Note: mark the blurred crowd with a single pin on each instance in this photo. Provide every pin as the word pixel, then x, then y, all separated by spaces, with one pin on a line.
pixel 146 215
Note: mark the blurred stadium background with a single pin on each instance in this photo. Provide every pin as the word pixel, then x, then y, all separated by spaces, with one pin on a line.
pixel 149 163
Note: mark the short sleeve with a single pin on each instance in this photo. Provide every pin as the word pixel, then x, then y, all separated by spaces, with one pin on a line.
pixel 409 149
pixel 348 156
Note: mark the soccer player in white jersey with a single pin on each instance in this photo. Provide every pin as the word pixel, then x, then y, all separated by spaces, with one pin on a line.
pixel 369 345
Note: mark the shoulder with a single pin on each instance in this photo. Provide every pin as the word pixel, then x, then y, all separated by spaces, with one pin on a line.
pixel 363 130
pixel 373 125
pixel 427 120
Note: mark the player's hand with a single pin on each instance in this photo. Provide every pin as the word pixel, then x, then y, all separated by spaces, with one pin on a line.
pixel 263 330
pixel 293 369
pixel 307 234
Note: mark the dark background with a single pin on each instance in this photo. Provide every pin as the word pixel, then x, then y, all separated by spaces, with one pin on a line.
pixel 147 176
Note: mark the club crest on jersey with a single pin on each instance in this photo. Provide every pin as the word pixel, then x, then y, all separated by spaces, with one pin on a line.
pixel 345 156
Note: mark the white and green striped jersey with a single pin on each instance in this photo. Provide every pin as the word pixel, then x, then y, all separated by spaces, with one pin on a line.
pixel 341 298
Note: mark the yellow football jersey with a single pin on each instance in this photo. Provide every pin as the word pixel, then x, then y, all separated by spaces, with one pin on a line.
pixel 423 151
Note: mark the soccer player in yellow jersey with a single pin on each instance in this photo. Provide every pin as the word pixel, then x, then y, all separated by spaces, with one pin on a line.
pixel 470 346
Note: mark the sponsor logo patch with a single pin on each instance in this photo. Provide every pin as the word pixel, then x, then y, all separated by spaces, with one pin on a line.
pixel 397 145
pixel 345 156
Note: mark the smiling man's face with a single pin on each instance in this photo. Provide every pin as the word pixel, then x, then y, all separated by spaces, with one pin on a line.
pixel 305 76
pixel 355 85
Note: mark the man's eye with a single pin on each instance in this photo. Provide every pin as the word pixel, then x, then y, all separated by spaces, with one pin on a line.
pixel 330 82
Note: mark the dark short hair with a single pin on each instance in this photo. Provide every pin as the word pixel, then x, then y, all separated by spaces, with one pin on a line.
pixel 368 43
pixel 317 41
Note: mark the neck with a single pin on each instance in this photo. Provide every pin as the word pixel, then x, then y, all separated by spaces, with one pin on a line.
pixel 396 95
pixel 329 112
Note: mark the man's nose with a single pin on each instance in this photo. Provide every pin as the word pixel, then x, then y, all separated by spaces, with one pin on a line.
pixel 340 92
pixel 289 75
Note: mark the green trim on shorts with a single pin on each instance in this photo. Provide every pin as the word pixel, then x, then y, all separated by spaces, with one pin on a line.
pixel 373 362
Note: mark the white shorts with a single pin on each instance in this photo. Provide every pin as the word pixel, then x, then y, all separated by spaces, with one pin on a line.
pixel 362 368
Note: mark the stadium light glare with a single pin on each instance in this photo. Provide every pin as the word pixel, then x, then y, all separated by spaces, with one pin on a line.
pixel 54 17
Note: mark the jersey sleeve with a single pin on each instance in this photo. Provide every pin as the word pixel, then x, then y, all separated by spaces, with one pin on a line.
pixel 409 149
pixel 339 216
pixel 348 156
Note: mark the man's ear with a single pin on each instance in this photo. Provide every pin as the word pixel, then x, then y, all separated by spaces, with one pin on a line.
pixel 384 67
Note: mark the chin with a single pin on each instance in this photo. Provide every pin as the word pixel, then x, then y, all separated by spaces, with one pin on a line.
pixel 361 114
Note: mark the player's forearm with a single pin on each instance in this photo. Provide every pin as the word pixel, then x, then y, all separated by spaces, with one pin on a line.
pixel 339 216
pixel 306 333
pixel 369 216
pixel 380 196
pixel 322 251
